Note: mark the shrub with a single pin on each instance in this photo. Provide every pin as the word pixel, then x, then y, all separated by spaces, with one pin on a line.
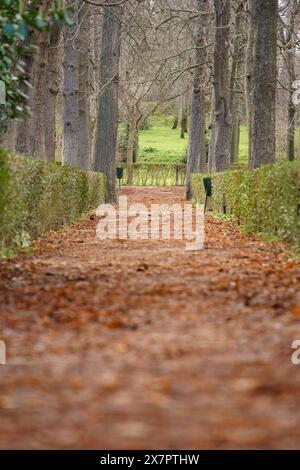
pixel 156 174
pixel 37 196
pixel 265 200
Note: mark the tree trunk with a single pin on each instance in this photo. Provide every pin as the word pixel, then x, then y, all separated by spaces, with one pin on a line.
pixel 53 78
pixel 212 134
pixel 9 137
pixel 235 85
pixel 31 131
pixel 131 143
pixel 176 115
pixel 71 95
pixel 264 81
pixel 221 155
pixel 38 123
pixel 84 82
pixel 136 147
pixel 298 135
pixel 291 129
pixel 197 151
pixel 249 79
pixel 96 20
pixel 107 118
pixel 184 117
pixel 290 57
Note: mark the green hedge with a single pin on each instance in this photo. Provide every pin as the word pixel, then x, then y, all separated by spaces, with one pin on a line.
pixel 265 200
pixel 37 196
pixel 155 174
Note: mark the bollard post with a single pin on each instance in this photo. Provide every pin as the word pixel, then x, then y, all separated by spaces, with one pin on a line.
pixel 207 181
pixel 120 172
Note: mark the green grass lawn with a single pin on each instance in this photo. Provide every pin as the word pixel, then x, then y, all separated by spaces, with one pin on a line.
pixel 161 144
pixel 243 154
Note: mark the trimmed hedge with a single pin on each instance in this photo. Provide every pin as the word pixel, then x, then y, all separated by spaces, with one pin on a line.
pixel 155 174
pixel 37 196
pixel 265 200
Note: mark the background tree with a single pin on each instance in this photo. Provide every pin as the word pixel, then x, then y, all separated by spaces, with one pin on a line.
pixel 287 74
pixel 264 81
pixel 155 72
pixel 71 93
pixel 220 138
pixel 197 149
pixel 107 117
pixel 19 30
pixel 236 76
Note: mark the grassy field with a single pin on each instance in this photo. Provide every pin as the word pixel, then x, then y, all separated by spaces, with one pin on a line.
pixel 161 144
pixel 243 154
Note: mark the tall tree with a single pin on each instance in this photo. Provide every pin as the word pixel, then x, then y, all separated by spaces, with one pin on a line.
pixel 236 88
pixel 249 77
pixel 176 114
pixel 31 131
pixel 197 152
pixel 107 115
pixel 220 150
pixel 53 82
pixel 290 52
pixel 264 81
pixel 71 93
pixel 20 25
pixel 84 51
pixel 184 116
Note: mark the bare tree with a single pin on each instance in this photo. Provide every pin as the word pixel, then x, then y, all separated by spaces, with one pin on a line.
pixel 197 152
pixel 176 114
pixel 153 67
pixel 249 77
pixel 84 51
pixel 290 51
pixel 220 150
pixel 30 132
pixel 53 83
pixel 264 81
pixel 184 116
pixel 236 87
pixel 107 118
pixel 71 94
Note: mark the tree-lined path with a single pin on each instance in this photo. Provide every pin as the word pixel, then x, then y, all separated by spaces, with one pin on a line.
pixel 123 344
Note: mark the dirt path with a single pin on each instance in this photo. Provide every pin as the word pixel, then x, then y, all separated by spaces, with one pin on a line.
pixel 123 344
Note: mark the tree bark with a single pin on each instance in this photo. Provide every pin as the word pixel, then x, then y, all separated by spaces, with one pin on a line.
pixel 184 117
pixel 53 79
pixel 212 134
pixel 38 121
pixel 30 138
pixel 221 153
pixel 176 114
pixel 131 142
pixel 8 138
pixel 290 57
pixel 84 85
pixel 107 116
pixel 264 81
pixel 249 79
pixel 71 95
pixel 197 152
pixel 235 81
